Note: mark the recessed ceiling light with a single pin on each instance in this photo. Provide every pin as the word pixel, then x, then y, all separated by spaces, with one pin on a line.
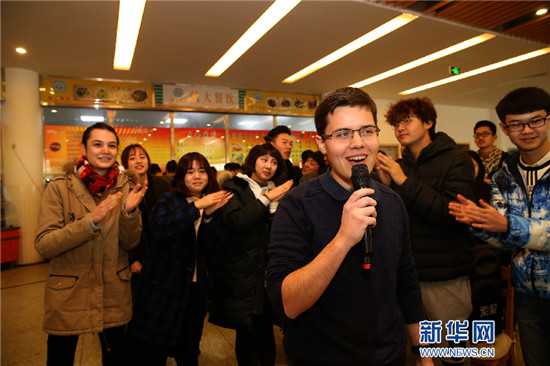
pixel 478 71
pixel 20 50
pixel 421 61
pixel 130 13
pixel 265 22
pixel 542 11
pixel 362 41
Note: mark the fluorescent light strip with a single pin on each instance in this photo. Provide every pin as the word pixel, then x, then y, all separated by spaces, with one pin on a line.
pixel 276 12
pixel 421 61
pixel 130 13
pixel 92 118
pixel 353 46
pixel 481 70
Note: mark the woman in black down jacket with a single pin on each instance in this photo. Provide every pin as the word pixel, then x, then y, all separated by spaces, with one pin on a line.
pixel 238 299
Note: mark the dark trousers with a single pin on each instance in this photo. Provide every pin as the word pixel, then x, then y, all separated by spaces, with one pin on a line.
pixel 61 349
pixel 257 346
pixel 533 315
pixel 186 350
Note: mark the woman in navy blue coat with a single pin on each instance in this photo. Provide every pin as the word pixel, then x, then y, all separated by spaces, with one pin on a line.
pixel 171 301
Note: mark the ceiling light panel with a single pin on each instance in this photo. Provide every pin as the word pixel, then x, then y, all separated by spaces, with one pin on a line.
pixel 278 10
pixel 481 70
pixel 130 13
pixel 362 41
pixel 424 60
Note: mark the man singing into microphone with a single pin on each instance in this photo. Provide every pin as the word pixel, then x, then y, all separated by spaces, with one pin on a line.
pixel 332 313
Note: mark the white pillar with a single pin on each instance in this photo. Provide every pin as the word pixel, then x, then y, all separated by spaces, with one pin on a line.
pixel 23 155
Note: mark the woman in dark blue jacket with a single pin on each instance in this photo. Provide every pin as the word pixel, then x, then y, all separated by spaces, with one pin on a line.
pixel 171 301
pixel 238 298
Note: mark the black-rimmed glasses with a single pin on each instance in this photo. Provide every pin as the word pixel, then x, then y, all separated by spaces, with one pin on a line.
pixel 483 134
pixel 534 123
pixel 346 134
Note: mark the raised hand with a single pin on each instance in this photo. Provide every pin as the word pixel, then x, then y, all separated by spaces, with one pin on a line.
pixel 388 167
pixel 105 206
pixel 211 202
pixel 135 197
pixel 278 192
pixel 484 216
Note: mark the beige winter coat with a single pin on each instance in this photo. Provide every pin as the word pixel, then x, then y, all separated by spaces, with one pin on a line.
pixel 88 288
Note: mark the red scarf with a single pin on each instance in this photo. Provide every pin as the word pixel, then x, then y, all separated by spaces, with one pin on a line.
pixel 97 184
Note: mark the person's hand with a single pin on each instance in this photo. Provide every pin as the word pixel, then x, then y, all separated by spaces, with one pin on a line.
pixel 278 192
pixel 358 213
pixel 388 167
pixel 105 206
pixel 135 197
pixel 484 216
pixel 423 361
pixel 136 267
pixel 458 209
pixel 211 202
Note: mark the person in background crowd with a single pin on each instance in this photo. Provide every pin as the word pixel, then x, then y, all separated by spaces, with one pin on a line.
pixel 333 312
pixel 234 168
pixel 89 219
pixel 306 154
pixel 172 296
pixel 135 159
pixel 485 134
pixel 483 189
pixel 519 215
pixel 432 172
pixel 239 300
pixel 313 167
pixel 155 170
pixel 281 138
pixel 170 171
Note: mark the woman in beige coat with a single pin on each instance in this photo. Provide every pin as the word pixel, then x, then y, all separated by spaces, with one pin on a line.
pixel 88 221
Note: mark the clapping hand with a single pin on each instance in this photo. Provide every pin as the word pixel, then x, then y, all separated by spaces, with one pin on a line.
pixel 213 201
pixel 278 192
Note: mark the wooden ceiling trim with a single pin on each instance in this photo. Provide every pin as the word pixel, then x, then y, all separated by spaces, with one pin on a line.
pixel 478 14
pixel 502 14
pixel 437 6
pixel 453 10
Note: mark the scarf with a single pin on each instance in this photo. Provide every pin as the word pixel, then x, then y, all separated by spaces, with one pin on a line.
pixel 492 162
pixel 96 184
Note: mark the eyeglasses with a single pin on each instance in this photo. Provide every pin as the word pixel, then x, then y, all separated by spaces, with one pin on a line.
pixel 483 134
pixel 346 134
pixel 405 121
pixel 534 123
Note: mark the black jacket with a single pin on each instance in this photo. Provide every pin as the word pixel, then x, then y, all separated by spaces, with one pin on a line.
pixel 238 279
pixel 441 246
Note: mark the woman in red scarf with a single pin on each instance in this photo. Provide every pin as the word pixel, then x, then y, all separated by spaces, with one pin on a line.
pixel 88 220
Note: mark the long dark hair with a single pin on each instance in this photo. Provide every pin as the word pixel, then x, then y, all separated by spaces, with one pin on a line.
pixel 249 165
pixel 184 164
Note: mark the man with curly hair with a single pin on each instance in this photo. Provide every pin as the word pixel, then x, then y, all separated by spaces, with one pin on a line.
pixel 432 172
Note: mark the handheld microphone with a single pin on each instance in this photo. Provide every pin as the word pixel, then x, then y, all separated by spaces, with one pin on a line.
pixel 360 179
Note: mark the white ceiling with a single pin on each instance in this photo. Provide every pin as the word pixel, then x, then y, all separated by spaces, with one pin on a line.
pixel 180 40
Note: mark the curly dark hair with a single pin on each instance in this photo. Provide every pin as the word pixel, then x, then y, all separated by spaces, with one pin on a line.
pixel 422 107
pixel 184 164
